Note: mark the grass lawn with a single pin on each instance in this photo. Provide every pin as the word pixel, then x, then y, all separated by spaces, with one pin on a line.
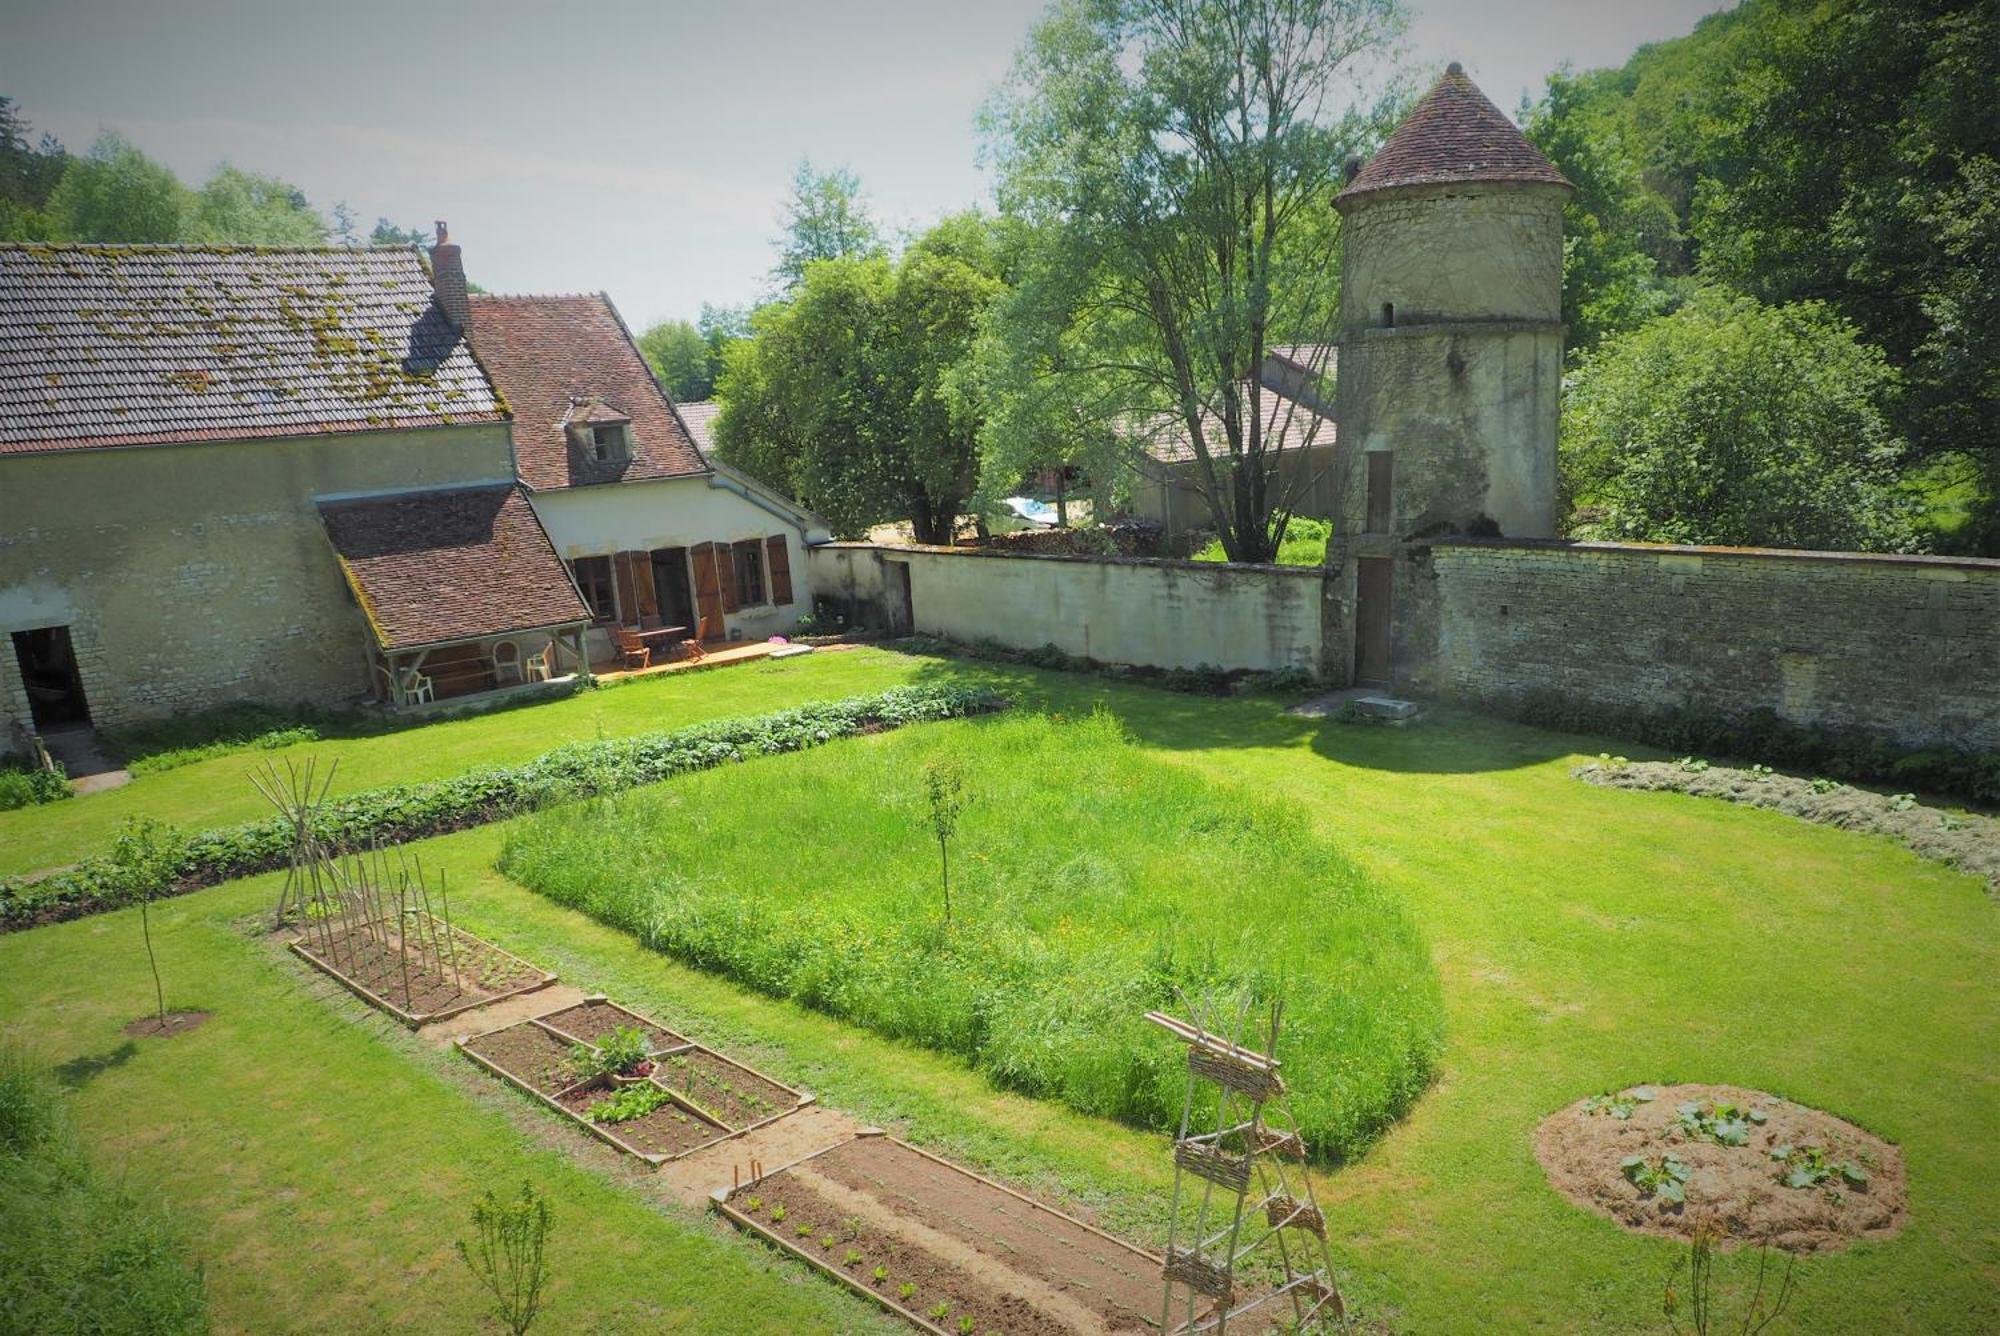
pixel 217 792
pixel 1585 938
pixel 1094 882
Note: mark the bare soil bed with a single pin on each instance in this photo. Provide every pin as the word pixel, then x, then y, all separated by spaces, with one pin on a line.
pixel 667 1131
pixel 950 1246
pixel 1759 1168
pixel 733 1093
pixel 530 1054
pixel 408 981
pixel 589 1020
pixel 175 1022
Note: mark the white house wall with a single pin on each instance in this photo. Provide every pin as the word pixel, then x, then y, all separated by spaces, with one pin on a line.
pixel 675 512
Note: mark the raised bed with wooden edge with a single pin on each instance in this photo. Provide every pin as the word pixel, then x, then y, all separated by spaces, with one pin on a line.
pixel 448 994
pixel 569 1100
pixel 978 1248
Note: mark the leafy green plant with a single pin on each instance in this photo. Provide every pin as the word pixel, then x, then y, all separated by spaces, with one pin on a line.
pixel 617 1052
pixel 852 1257
pixel 634 1101
pixel 1694 765
pixel 1822 785
pixel 1621 1105
pixel 1665 1178
pixel 944 789
pixel 879 1274
pixel 805 1230
pixel 1808 1167
pixel 509 1253
pixel 1723 1123
pixel 30 786
pixel 906 1291
pixel 940 1311
pixel 754 1205
pixel 1762 773
pixel 1699 1306
pixel 966 1325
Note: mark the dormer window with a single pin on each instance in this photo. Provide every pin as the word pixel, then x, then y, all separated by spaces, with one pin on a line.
pixel 599 432
pixel 609 443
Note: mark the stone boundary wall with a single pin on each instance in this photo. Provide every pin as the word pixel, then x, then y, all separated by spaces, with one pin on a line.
pixel 1130 610
pixel 1901 648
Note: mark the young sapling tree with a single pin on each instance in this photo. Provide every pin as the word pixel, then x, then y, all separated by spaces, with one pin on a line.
pixel 509 1255
pixel 944 786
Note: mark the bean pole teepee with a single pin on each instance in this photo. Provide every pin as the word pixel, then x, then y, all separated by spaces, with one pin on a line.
pixel 1235 1202
pixel 375 915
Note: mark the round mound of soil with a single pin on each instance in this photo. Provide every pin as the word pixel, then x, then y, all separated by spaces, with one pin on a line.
pixel 177 1022
pixel 1844 1183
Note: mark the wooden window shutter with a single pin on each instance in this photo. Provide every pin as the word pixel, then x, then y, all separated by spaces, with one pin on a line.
pixel 708 591
pixel 781 568
pixel 628 599
pixel 642 582
pixel 725 570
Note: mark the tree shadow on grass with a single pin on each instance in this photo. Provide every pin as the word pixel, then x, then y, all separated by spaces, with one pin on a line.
pixel 1446 740
pixel 79 1072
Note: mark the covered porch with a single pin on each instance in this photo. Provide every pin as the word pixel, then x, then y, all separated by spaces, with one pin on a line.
pixel 462 593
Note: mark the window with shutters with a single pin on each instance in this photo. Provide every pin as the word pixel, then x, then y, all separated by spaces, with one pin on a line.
pixel 779 559
pixel 748 557
pixel 593 578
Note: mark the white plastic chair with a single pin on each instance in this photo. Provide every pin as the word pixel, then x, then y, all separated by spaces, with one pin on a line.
pixel 540 667
pixel 507 663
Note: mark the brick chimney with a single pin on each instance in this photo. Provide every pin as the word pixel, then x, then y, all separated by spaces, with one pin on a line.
pixel 448 279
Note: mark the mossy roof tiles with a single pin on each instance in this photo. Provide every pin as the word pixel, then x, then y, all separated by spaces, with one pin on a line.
pixel 1454 133
pixel 144 345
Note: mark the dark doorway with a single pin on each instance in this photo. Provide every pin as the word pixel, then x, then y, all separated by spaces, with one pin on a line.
pixel 48 671
pixel 1371 621
pixel 902 611
pixel 670 583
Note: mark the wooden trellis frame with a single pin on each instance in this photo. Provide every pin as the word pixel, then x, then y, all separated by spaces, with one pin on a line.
pixel 1247 1203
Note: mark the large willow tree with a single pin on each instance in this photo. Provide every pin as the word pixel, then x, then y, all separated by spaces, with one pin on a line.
pixel 1177 160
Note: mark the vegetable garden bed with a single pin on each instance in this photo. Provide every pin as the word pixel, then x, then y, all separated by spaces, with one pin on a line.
pixel 947 1250
pixel 688 1096
pixel 435 969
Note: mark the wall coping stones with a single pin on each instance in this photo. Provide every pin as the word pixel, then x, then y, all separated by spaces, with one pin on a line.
pixel 1989 565
pixel 1086 558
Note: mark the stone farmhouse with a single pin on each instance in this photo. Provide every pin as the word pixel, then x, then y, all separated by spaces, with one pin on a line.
pixel 332 476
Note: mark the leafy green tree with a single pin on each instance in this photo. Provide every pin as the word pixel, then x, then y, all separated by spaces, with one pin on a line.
pixel 29 171
pixel 1178 161
pixel 116 193
pixel 825 219
pixel 854 394
pixel 681 358
pixel 241 208
pixel 387 233
pixel 1737 423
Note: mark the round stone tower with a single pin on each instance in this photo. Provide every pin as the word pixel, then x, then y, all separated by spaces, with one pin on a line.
pixel 1450 367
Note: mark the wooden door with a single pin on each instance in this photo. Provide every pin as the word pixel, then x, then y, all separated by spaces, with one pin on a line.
pixel 1372 606
pixel 708 590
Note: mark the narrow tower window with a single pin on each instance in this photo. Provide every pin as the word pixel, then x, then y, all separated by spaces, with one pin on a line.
pixel 1380 469
pixel 1388 315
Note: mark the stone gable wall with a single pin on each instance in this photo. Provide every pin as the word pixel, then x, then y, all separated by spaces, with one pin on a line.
pixel 1902 648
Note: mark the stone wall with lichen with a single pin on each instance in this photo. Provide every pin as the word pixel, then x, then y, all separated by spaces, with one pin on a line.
pixel 1478 251
pixel 193 575
pixel 1902 648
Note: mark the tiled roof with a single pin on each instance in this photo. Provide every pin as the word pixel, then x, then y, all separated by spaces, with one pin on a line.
pixel 1454 134
pixel 429 567
pixel 544 352
pixel 1295 426
pixel 141 345
pixel 700 419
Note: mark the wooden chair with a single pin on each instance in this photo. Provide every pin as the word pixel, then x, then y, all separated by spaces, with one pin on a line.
pixel 540 667
pixel 632 650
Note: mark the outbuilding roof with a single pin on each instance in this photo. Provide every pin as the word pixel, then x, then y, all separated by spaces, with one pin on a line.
pixel 549 354
pixel 145 345
pixel 433 567
pixel 1454 134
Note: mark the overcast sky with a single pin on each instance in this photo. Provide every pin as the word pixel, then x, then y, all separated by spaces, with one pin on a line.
pixel 639 148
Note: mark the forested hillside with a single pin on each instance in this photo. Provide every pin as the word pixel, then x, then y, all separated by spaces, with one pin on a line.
pixel 1840 152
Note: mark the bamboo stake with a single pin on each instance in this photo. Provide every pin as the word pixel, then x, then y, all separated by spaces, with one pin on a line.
pixel 402 933
pixel 450 933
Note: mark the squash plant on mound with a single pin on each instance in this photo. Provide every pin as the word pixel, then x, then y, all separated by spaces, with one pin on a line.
pixel 1089 882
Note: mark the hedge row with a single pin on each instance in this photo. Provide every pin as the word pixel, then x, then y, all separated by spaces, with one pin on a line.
pixel 154 862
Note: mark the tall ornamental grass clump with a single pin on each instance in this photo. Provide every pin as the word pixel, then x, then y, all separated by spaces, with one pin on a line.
pixel 1090 881
pixel 77 1252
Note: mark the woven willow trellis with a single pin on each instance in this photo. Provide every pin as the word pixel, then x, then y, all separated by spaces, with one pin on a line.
pixel 1235 1200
